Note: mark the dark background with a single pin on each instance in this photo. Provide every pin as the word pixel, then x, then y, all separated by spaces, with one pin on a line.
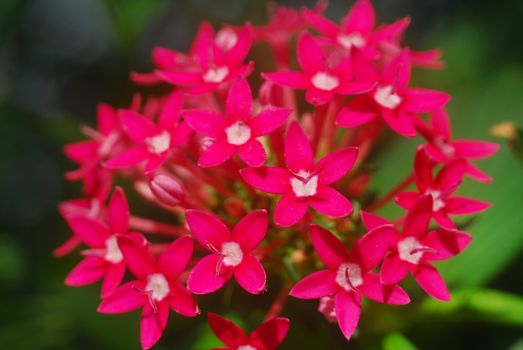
pixel 59 58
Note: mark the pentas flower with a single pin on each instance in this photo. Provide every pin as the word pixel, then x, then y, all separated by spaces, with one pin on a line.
pixel 103 259
pixel 268 336
pixel 304 182
pixel 156 288
pixel 323 77
pixel 236 132
pixel 415 248
pixel 217 59
pixel 441 188
pixel 153 141
pixel 348 276
pixel 393 100
pixel 442 148
pixel 232 252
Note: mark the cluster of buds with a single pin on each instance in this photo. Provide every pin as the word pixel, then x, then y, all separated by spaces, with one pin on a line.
pixel 252 181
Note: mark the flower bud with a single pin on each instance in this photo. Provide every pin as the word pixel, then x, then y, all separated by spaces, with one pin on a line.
pixel 167 190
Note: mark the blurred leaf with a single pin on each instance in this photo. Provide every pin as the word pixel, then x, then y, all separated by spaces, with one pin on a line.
pixel 517 346
pixel 12 264
pixel 397 341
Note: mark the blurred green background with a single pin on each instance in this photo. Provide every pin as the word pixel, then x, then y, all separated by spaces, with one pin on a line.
pixel 59 58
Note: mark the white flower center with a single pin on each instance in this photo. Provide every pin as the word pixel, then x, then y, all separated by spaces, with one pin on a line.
pixel 226 39
pixel 216 75
pixel 158 286
pixel 232 254
pixel 325 81
pixel 246 347
pixel 304 185
pixel 437 201
pixel 350 40
pixel 385 97
pixel 159 143
pixel 112 251
pixel 349 276
pixel 409 250
pixel 238 133
pixel 447 149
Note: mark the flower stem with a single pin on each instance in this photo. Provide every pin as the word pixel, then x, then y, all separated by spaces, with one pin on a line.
pixel 277 305
pixel 392 193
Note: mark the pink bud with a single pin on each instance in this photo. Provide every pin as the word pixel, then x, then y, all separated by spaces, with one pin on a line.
pixel 167 190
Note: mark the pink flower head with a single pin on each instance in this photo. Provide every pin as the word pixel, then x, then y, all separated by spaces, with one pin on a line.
pixel 231 252
pixel 156 288
pixel 237 132
pixel 441 188
pixel 323 77
pixel 397 104
pixel 304 182
pixel 415 248
pixel 268 336
pixel 348 275
pixel 217 59
pixel 442 148
pixel 103 259
pixel 152 141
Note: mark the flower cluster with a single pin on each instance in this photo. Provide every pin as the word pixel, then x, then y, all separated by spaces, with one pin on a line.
pixel 266 177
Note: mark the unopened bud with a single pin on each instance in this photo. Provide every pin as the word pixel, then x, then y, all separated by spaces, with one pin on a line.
pixel 506 130
pixel 167 190
pixel 298 257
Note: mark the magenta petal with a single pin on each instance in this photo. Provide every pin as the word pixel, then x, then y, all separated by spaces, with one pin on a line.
pixel 251 275
pixel 336 165
pixel 450 176
pixel 205 279
pixel 124 299
pixel 138 260
pixel 171 110
pixel 229 333
pixel 175 258
pixel 267 179
pixel 348 309
pixel 68 246
pixel 153 324
pixel 316 285
pixel 320 23
pixel 350 117
pixel 270 334
pixel 217 153
pixel 393 269
pixel 82 151
pixel 446 243
pixel 137 126
pixel 387 294
pixel 444 220
pixel 298 151
pixel 93 232
pixel 251 229
pixel 406 199
pixel 296 80
pixel 118 214
pixel 399 121
pixel 289 210
pixel 268 120
pixel 239 100
pixel 397 72
pixel 236 55
pixel 207 228
pixel 154 162
pixel 128 158
pixel 202 42
pixel 318 97
pixel 475 149
pixel 371 247
pixel 179 78
pixel 372 221
pixel 331 251
pixel 106 119
pixel 360 19
pixel 164 57
pixel 477 174
pixel 463 206
pixel 330 202
pixel 181 301
pixel 89 270
pixel 114 274
pixel 206 122
pixel 310 56
pixel 440 123
pixel 424 100
pixel 417 221
pixel 253 153
pixel 431 281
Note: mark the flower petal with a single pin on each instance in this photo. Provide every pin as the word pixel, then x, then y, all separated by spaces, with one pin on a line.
pixel 316 285
pixel 330 250
pixel 268 120
pixel 447 243
pixel 239 100
pixel 406 199
pixel 207 228
pixel 205 122
pixel 475 149
pixel 138 260
pixel 348 309
pixel 127 158
pixel 136 126
pixel 270 334
pixel 330 202
pixel 318 97
pixel 153 324
pixel 320 23
pixel 298 151
pixel 417 221
pixel 229 333
pixel 289 210
pixel 296 80
pixel 359 110
pixel 371 221
pixel 388 294
pixel 217 153
pixel 93 232
pixel 425 100
pixel 181 301
pixel 175 258
pixel 463 206
pixel 124 299
pixel 114 274
pixel 267 179
pixel 360 19
pixel 370 249
pixel 171 110
pixel 204 279
pixel 251 275
pixel 118 212
pixel 311 57
pixel 89 270
pixel 336 165
pixel 251 229
pixel 393 269
pixel 253 153
pixel 431 281
pixel 399 121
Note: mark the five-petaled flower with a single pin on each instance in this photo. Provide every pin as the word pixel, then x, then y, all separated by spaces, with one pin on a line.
pixel 348 276
pixel 231 252
pixel 414 249
pixel 267 336
pixel 237 132
pixel 156 288
pixel 304 182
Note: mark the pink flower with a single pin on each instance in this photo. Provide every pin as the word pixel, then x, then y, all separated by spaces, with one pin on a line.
pixel 441 188
pixel 442 148
pixel 393 100
pixel 415 248
pixel 103 259
pixel 268 336
pixel 216 60
pixel 348 275
pixel 237 132
pixel 323 78
pixel 304 182
pixel 231 252
pixel 152 141
pixel 156 288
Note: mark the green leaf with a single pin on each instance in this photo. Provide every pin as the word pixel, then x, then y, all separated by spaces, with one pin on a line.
pixel 397 341
pixel 517 346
